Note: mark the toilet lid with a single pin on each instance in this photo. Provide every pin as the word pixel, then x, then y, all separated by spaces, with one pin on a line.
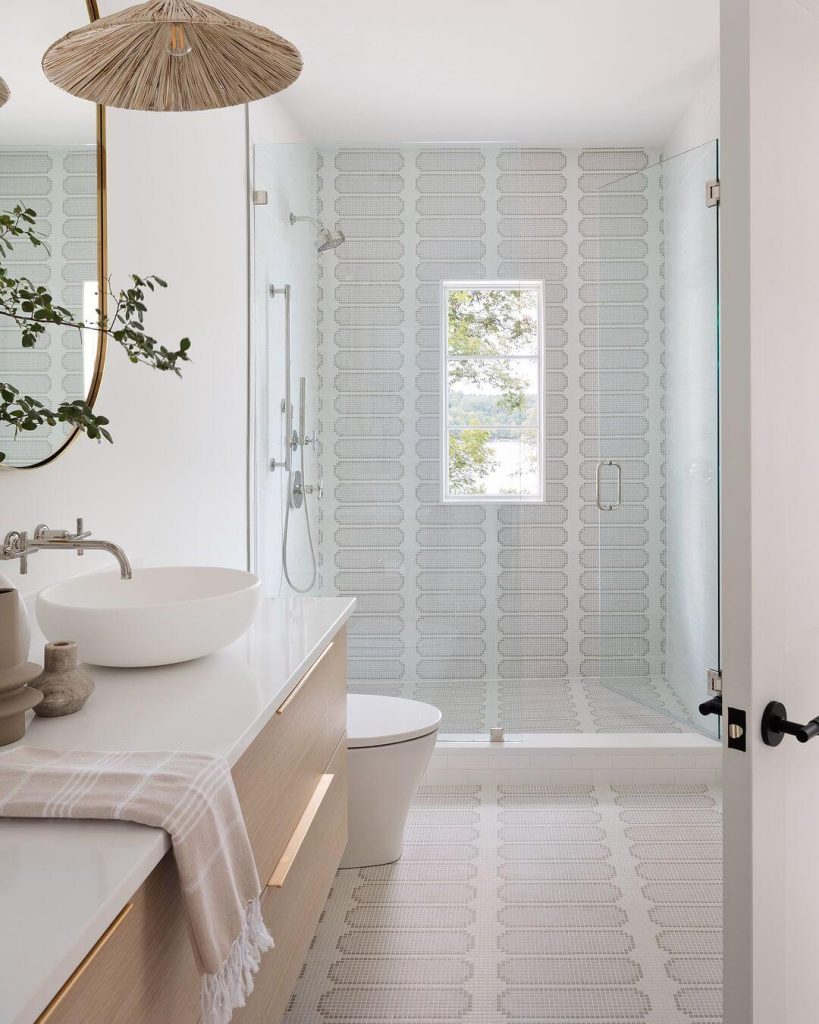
pixel 376 721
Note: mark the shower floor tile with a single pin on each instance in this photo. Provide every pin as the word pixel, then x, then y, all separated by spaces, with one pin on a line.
pixel 544 706
pixel 530 905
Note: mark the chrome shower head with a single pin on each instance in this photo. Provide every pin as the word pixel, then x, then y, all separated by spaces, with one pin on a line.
pixel 329 239
pixel 326 239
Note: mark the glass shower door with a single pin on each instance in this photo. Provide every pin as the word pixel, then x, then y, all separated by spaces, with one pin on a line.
pixel 656 479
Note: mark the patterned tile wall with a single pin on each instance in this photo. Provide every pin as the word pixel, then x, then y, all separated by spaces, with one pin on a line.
pixel 61 185
pixel 453 596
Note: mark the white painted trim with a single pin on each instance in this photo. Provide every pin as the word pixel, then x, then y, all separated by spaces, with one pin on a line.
pixel 505 499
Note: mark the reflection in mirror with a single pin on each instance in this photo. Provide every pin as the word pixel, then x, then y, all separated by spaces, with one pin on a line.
pixel 49 146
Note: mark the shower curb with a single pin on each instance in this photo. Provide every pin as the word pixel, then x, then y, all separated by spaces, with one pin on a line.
pixel 577 759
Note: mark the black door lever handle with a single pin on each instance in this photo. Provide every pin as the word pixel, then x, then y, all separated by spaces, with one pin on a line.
pixel 775 726
pixel 712 706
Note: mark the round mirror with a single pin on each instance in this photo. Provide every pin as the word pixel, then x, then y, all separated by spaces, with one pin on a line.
pixel 52 161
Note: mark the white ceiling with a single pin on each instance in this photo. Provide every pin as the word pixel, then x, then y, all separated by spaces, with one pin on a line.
pixel 561 72
pixel 566 72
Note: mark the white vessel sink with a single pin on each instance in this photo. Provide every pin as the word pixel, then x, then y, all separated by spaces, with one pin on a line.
pixel 159 617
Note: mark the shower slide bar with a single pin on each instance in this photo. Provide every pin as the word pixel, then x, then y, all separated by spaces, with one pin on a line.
pixel 295 441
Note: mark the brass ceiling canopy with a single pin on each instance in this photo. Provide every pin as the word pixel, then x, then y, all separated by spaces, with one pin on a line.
pixel 172 55
pixel 4 93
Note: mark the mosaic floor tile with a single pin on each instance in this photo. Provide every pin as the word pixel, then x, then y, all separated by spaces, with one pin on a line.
pixel 529 905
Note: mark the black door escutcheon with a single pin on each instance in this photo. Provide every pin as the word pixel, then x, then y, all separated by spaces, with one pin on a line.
pixel 775 726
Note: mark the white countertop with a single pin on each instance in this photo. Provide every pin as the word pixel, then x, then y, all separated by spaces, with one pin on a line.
pixel 63 882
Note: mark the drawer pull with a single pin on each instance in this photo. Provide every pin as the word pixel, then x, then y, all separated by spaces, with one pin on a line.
pixel 279 876
pixel 48 1012
pixel 280 710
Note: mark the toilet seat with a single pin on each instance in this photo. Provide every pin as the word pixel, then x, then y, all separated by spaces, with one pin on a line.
pixel 378 721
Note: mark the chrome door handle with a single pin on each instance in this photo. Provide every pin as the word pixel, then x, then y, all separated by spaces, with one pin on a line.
pixel 598 480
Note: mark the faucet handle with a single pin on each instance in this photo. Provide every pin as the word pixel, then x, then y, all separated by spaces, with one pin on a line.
pixel 42 532
pixel 317 489
pixel 16 545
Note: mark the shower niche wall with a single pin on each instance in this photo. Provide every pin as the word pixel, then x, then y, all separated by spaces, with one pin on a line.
pixel 548 615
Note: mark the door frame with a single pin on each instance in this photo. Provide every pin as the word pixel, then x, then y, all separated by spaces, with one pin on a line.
pixel 770 553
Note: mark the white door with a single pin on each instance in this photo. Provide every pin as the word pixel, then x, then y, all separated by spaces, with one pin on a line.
pixel 770 399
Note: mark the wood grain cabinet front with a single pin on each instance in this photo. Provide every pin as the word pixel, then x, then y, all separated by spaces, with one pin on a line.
pixel 296 892
pixel 292 785
pixel 280 771
pixel 141 971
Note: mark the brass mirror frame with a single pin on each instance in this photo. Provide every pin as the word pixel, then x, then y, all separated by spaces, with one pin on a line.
pixel 102 272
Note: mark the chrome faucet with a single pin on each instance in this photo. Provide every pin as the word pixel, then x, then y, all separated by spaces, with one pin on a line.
pixel 18 544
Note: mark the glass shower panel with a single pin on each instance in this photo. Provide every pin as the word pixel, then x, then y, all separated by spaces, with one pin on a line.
pixel 283 254
pixel 655 482
pixel 461 603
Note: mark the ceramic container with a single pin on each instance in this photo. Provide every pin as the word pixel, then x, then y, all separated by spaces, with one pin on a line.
pixel 16 698
pixel 64 685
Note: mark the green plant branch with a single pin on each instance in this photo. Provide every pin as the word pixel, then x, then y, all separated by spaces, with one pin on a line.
pixel 32 309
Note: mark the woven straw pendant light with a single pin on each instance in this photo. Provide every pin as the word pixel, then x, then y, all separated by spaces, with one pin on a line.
pixel 172 55
pixel 4 93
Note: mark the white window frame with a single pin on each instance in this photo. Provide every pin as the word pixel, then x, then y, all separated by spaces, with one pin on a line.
pixel 493 499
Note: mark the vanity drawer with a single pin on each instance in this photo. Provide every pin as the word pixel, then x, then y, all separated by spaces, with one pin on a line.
pixel 296 892
pixel 292 785
pixel 141 970
pixel 279 773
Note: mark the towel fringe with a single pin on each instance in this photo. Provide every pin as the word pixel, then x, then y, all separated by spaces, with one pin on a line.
pixel 230 986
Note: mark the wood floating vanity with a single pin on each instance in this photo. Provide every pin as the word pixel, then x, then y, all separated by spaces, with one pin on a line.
pixel 291 778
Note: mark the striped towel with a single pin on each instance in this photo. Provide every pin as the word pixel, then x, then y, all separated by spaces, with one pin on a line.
pixel 192 797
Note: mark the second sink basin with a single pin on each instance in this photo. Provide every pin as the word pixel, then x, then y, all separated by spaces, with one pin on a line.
pixel 160 617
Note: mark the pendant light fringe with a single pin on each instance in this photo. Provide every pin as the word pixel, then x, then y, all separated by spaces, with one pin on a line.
pixel 125 60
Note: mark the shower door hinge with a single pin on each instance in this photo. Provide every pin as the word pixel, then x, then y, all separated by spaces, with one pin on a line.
pixel 259 197
pixel 714 681
pixel 712 192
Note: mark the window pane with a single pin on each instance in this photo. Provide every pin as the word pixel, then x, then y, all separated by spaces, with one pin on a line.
pixel 493 392
pixel 495 463
pixel 492 321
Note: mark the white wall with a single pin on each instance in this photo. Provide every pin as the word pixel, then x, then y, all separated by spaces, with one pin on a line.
pixel 700 120
pixel 172 489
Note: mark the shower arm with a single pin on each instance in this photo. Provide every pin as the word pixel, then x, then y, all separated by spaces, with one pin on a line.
pixel 295 220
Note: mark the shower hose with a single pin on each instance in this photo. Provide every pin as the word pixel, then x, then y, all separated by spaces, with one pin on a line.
pixel 291 477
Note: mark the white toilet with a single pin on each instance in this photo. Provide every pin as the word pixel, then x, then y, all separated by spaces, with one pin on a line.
pixel 390 741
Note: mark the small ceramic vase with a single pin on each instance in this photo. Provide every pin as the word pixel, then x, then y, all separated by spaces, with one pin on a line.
pixel 15 671
pixel 64 685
